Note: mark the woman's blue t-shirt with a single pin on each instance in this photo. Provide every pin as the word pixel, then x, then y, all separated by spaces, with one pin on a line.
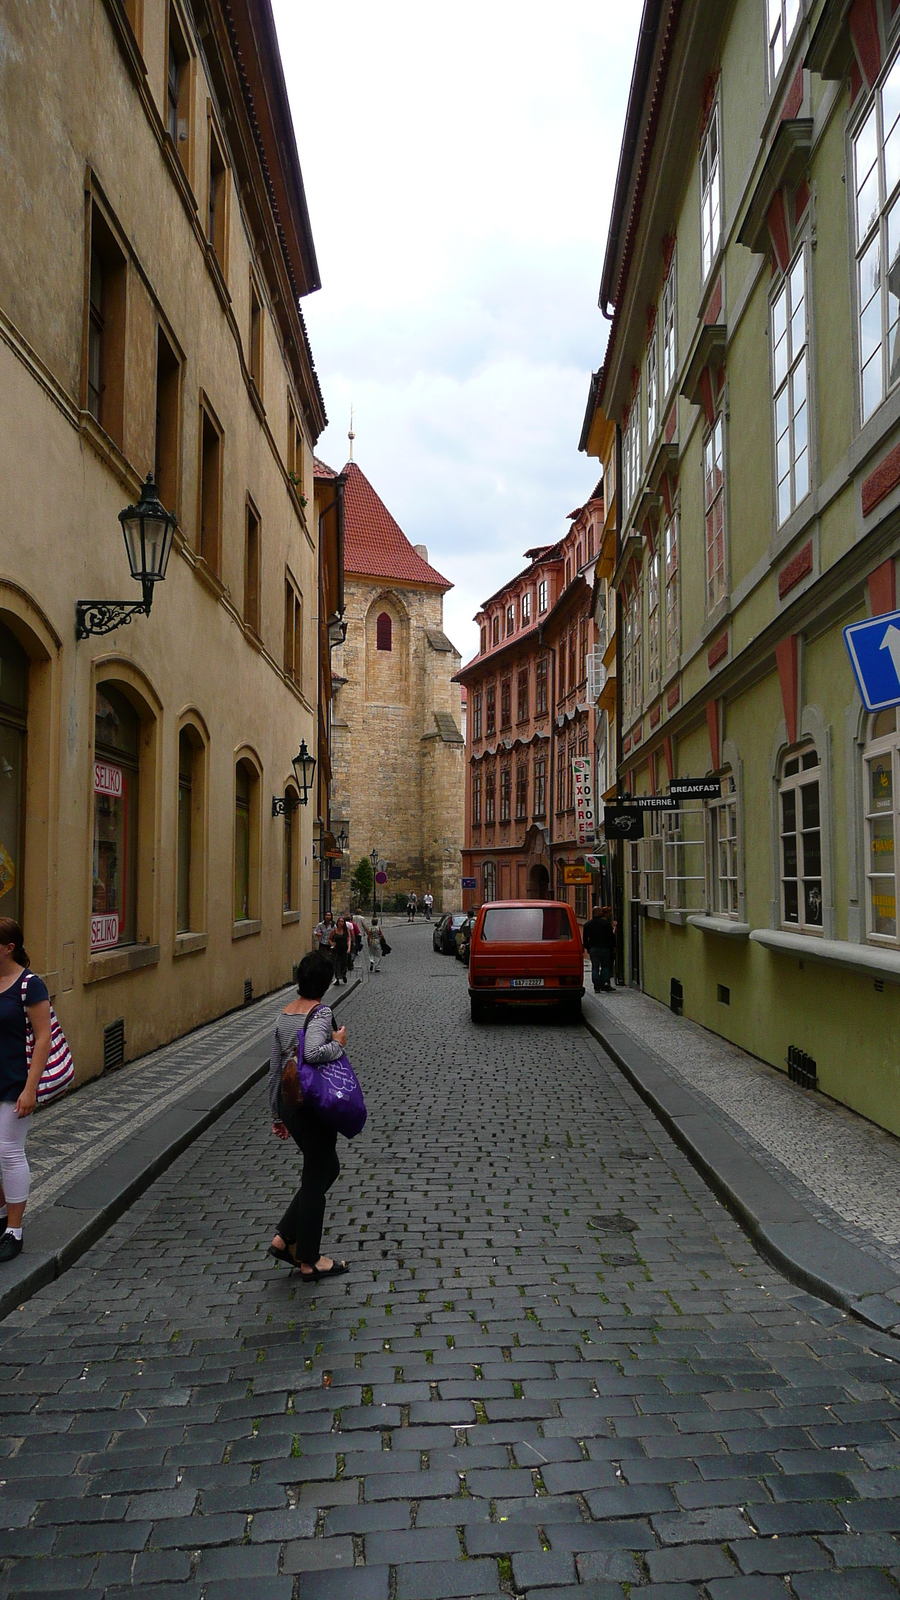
pixel 13 1060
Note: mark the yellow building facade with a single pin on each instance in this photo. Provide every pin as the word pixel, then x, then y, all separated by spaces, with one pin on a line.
pixel 752 372
pixel 149 323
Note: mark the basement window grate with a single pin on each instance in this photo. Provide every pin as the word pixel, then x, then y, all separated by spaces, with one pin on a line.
pixel 802 1069
pixel 114 1045
pixel 248 991
pixel 676 997
pixel 723 994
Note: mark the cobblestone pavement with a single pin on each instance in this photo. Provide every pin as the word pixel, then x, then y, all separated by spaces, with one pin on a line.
pixel 845 1168
pixel 557 1368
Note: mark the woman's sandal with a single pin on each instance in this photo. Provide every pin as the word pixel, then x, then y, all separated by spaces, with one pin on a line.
pixel 282 1255
pixel 336 1270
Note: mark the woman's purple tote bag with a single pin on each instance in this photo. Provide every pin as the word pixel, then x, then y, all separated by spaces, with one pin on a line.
pixel 332 1091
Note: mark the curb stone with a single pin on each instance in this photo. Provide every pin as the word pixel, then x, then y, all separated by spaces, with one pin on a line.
pixel 783 1229
pixel 81 1214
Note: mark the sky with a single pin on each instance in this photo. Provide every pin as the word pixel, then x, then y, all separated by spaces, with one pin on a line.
pixel 459 167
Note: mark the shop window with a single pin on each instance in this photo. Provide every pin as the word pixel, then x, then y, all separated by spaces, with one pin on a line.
pixel 217 178
pixel 505 782
pixel 881 764
pixel 210 490
pixel 293 632
pixel 652 385
pixel 256 338
pixel 252 569
pixel 582 902
pixel 476 715
pixel 522 695
pixel 540 686
pixel 383 631
pixel 490 710
pixel 190 875
pixel 722 850
pixel 13 715
pixel 489 880
pixel 543 596
pixel 521 792
pixel 246 842
pixel 178 96
pixel 540 786
pixel 789 377
pixel 669 329
pixel 876 169
pixel 107 296
pixel 781 20
pixel 672 626
pixel 800 831
pixel 168 408
pixel 710 192
pixel 505 702
pixel 714 512
pixel 290 872
pixel 476 800
pixel 117 731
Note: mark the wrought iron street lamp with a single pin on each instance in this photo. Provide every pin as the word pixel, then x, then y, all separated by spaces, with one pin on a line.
pixel 373 857
pixel 148 529
pixel 342 840
pixel 304 766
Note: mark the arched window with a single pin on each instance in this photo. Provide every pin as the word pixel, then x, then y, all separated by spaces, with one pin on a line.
pixel 880 766
pixel 383 631
pixel 190 908
pixel 13 707
pixel 246 845
pixel 116 782
pixel 800 824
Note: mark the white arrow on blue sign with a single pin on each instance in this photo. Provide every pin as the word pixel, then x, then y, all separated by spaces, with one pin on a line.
pixel 874 651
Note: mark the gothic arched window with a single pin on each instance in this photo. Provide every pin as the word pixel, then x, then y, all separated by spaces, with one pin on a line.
pixel 383 632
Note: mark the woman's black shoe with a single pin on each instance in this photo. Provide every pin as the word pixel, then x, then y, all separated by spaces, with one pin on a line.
pixel 10 1247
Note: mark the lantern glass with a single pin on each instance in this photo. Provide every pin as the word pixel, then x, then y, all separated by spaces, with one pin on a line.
pixel 304 766
pixel 148 529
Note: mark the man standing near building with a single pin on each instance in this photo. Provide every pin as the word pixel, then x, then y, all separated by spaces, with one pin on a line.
pixel 428 902
pixel 599 939
pixel 412 905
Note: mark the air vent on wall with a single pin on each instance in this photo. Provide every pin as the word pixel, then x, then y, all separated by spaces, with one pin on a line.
pixel 248 991
pixel 114 1045
pixel 801 1068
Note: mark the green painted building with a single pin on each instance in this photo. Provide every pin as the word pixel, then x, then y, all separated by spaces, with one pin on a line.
pixel 752 274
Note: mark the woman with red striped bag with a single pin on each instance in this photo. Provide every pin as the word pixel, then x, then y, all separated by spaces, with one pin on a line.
pixel 35 1066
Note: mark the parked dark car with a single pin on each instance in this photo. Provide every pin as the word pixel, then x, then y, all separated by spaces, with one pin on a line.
pixel 444 936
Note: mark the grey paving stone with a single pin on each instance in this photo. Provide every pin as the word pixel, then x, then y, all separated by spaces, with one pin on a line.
pixel 759 1587
pixel 688 1563
pixel 687 1527
pixel 446 1580
pixel 779 1555
pixel 359 1583
pixel 317 1555
pixel 532 1571
pixel 401 1546
pixel 863 1583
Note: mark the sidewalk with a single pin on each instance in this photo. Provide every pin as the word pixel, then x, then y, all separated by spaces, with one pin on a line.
pixel 100 1147
pixel 817 1186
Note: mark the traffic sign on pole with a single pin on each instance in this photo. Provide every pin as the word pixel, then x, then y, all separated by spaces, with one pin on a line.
pixel 874 651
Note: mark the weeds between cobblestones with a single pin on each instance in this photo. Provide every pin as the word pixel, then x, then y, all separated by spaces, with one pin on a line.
pixel 556 1368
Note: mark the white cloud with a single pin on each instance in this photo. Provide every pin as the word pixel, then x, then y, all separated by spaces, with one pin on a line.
pixel 459 168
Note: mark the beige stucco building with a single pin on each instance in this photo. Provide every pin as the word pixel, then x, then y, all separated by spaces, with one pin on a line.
pixel 149 322
pixel 398 776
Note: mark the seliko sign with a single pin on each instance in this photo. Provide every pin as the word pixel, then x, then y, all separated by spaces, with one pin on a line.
pixel 107 779
pixel 104 931
pixel 585 810
pixel 874 651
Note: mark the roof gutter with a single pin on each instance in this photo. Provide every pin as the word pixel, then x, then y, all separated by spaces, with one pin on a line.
pixel 640 77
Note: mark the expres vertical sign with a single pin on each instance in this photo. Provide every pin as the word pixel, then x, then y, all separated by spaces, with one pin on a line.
pixel 585 806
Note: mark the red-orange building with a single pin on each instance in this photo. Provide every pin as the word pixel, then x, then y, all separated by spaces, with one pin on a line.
pixel 528 715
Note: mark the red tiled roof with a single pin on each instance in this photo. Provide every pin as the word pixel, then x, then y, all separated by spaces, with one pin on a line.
pixel 321 469
pixel 374 544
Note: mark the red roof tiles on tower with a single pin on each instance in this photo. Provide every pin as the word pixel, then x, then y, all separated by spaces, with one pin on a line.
pixel 375 546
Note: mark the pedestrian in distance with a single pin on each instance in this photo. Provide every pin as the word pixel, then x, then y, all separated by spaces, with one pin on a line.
pixel 428 902
pixel 298 1240
pixel 374 940
pixel 20 1005
pixel 340 949
pixel 412 906
pixel 322 933
pixel 599 939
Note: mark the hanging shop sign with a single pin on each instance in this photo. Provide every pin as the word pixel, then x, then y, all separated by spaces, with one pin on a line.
pixel 596 863
pixel 696 788
pixel 656 802
pixel 623 822
pixel 583 791
pixel 577 875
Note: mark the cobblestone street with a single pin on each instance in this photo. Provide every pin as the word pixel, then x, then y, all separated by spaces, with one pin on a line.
pixel 556 1368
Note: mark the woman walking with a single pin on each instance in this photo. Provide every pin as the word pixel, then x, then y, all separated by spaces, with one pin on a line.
pixel 23 1000
pixel 374 938
pixel 340 949
pixel 298 1240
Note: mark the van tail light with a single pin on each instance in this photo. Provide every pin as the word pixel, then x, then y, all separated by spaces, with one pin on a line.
pixel 571 983
pixel 479 981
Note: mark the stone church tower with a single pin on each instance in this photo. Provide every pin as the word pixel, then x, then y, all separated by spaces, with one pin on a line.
pixel 398 755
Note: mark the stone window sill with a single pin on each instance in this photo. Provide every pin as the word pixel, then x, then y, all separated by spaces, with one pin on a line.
pixel 873 962
pixel 289 916
pixel 728 927
pixel 246 926
pixel 187 943
pixel 111 963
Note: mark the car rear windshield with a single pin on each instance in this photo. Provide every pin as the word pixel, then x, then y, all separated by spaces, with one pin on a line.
pixel 525 925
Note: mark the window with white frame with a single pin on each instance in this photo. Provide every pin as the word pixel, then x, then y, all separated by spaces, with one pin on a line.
pixel 710 192
pixel 781 20
pixel 722 850
pixel 800 839
pixel 669 329
pixel 526 608
pixel 653 621
pixel 637 652
pixel 714 512
pixel 627 661
pixel 543 596
pixel 631 452
pixel 881 768
pixel 602 744
pixel 668 865
pixel 652 385
pixel 671 557
pixel 876 176
pixel 790 385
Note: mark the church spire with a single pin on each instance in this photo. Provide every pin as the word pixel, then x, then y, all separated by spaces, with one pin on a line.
pixel 351 435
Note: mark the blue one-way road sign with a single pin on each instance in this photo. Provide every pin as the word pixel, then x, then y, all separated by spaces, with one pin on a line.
pixel 874 650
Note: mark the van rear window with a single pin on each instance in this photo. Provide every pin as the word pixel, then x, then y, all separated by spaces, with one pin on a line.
pixel 525 925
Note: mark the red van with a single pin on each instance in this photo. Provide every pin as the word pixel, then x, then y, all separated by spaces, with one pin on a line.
pixel 526 952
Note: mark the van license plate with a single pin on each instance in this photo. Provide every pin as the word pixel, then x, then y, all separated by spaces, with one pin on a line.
pixel 526 983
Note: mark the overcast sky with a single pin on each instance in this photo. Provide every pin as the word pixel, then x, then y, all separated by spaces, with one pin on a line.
pixel 459 167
